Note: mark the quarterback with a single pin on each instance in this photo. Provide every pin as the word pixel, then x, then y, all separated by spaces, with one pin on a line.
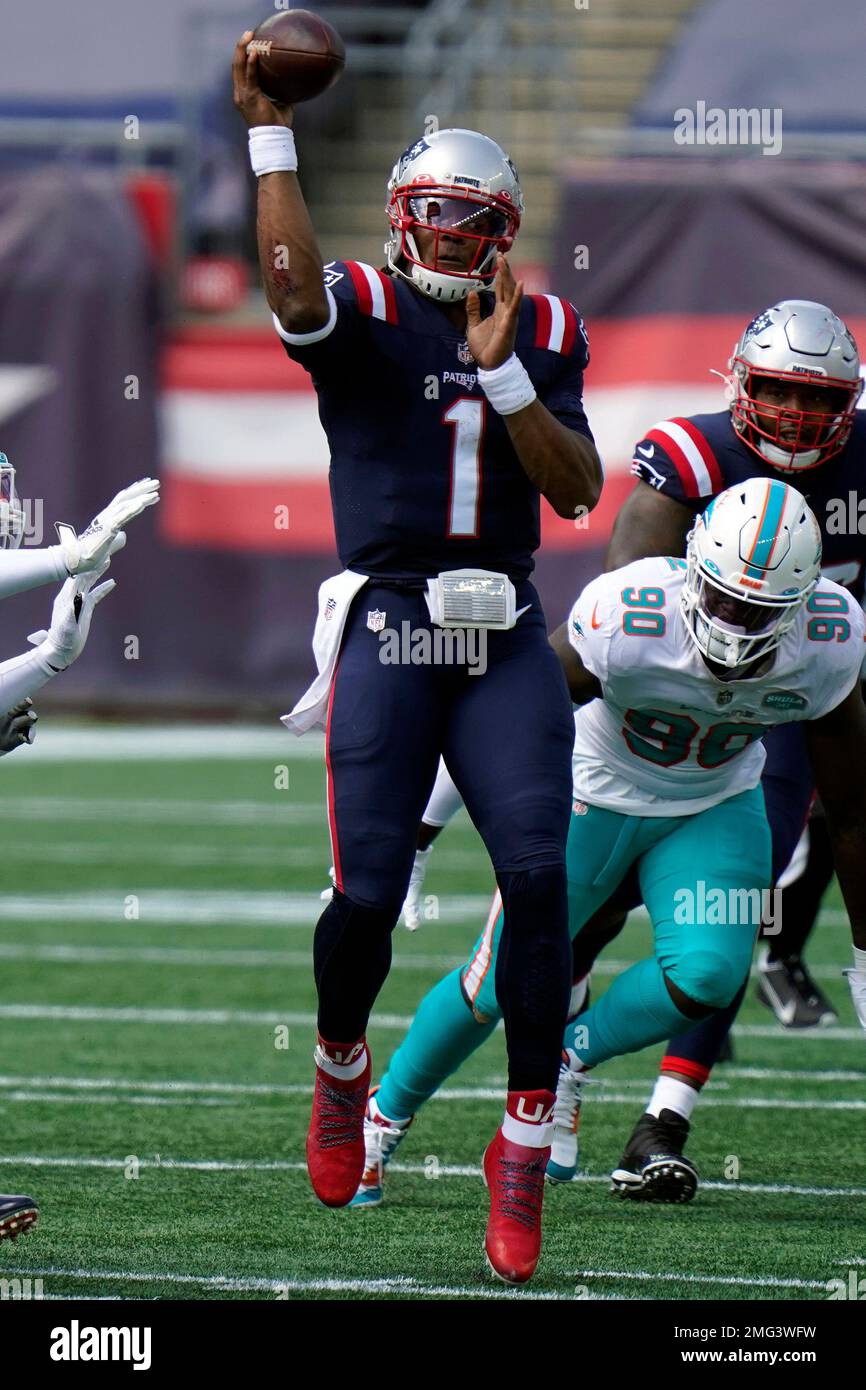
pixel 451 403
pixel 679 668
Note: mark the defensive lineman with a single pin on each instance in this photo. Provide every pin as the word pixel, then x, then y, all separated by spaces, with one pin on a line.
pixel 679 668
pixel 449 409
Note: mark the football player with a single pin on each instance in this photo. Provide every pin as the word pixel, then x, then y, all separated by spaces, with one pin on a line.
pixel 792 389
pixel 451 403
pixel 80 560
pixel 679 669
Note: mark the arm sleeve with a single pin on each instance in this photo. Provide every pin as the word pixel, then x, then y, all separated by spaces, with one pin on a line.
pixel 27 569
pixel 22 675
pixel 445 800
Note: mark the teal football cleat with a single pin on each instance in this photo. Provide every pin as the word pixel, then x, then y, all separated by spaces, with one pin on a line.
pixel 381 1138
pixel 562 1164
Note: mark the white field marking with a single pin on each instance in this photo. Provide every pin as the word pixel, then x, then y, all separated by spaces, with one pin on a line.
pixel 206 956
pixel 458 1094
pixel 48 1098
pixel 159 852
pixel 198 907
pixel 91 742
pixel 81 1013
pixel 159 810
pixel 758 1281
pixel 446 1170
pixel 240 1283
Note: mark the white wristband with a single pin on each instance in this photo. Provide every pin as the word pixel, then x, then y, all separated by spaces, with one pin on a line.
pixel 508 387
pixel 272 150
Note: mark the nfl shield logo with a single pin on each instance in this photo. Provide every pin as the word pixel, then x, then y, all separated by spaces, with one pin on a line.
pixel 375 620
pixel 330 609
pixel 724 697
pixel 464 355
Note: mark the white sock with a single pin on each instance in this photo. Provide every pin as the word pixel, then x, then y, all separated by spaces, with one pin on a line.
pixel 670 1094
pixel 344 1071
pixel 377 1114
pixel 578 997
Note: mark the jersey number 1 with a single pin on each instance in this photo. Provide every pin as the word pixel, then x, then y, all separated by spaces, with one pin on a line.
pixel 466 418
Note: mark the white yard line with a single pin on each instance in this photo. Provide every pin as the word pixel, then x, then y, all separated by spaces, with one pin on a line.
pixel 82 1013
pixel 240 1283
pixel 199 957
pixel 59 742
pixel 758 1281
pixel 199 907
pixel 444 1170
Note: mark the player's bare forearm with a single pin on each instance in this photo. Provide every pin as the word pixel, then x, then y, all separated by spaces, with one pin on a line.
pixel 837 748
pixel 649 523
pixel 563 465
pixel 289 255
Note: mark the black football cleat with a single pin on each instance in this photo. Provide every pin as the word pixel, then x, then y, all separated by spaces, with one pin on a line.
pixel 17 1215
pixel 786 987
pixel 653 1167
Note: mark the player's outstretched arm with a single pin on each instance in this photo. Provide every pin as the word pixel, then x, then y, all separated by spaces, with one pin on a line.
pixel 289 255
pixel 57 646
pixel 650 523
pixel 837 748
pixel 562 463
pixel 583 686
pixel 17 727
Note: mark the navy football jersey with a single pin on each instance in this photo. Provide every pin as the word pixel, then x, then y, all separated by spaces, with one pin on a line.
pixel 423 474
pixel 691 459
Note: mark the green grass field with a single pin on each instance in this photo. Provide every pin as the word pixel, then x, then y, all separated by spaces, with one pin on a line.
pixel 155 929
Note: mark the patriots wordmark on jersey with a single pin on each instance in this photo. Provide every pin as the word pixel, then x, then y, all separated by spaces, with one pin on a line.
pixel 691 459
pixel 669 738
pixel 424 476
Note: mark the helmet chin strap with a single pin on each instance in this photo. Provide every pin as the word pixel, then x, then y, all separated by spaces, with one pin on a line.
pixel 779 458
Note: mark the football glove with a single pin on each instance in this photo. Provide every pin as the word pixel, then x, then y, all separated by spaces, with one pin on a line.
pixel 104 536
pixel 64 641
pixel 412 905
pixel 17 727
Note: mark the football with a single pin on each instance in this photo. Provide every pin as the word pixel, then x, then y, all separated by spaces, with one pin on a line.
pixel 300 56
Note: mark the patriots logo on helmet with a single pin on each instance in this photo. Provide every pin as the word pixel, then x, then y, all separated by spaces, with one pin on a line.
pixel 411 153
pixel 758 325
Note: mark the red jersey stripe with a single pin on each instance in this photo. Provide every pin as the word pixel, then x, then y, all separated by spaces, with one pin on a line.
pixel 705 452
pixel 678 459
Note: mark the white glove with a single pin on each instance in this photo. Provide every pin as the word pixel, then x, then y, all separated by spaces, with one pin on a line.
pixel 412 905
pixel 327 893
pixel 73 609
pixel 857 981
pixel 104 536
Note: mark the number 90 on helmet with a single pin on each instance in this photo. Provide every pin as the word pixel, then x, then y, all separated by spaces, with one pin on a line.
pixel 753 559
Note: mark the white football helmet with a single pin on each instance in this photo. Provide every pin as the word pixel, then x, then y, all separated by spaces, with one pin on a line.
pixel 795 340
pixel 754 557
pixel 13 519
pixel 461 184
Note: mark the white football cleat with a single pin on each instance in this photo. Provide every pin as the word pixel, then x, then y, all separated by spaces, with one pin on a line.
pixel 562 1164
pixel 381 1138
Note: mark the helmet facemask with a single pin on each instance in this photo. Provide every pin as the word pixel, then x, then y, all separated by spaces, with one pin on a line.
pixel 786 437
pixel 729 629
pixel 13 518
pixel 483 224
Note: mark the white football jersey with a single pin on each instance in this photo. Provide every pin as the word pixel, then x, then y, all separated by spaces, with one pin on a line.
pixel 669 738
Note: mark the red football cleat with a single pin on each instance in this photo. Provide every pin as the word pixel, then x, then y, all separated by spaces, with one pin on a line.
pixel 514 1175
pixel 335 1140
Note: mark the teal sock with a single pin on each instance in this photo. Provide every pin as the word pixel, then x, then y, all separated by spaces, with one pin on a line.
pixel 443 1034
pixel 635 1012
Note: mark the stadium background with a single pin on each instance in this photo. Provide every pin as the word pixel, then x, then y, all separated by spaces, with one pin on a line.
pixel 159 881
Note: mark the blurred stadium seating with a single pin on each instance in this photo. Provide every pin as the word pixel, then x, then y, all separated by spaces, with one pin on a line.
pixel 133 258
